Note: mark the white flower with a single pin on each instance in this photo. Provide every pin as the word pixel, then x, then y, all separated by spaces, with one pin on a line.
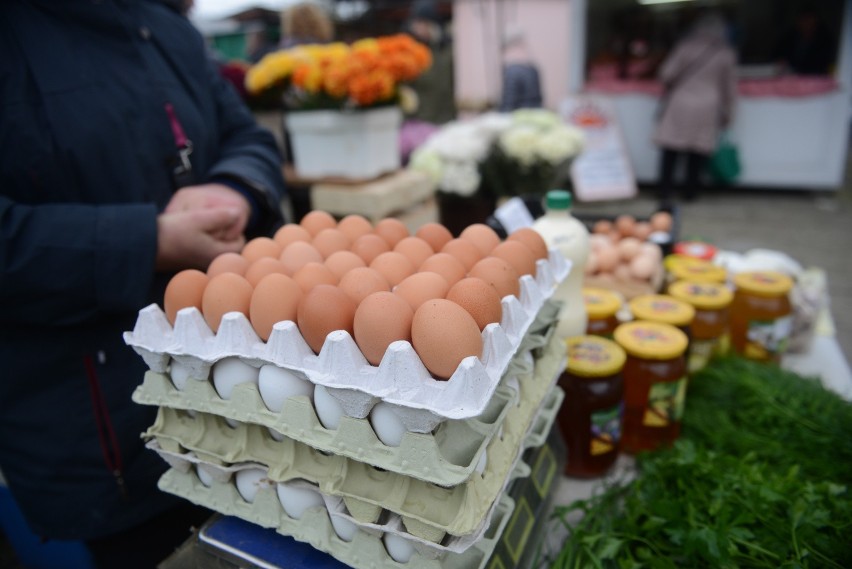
pixel 538 118
pixel 559 144
pixel 461 177
pixel 519 143
pixel 429 162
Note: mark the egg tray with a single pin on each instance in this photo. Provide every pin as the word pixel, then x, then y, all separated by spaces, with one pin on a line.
pixel 365 550
pixel 428 511
pixel 324 471
pixel 446 456
pixel 401 379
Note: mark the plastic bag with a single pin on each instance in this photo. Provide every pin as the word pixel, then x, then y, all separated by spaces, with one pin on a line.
pixel 725 162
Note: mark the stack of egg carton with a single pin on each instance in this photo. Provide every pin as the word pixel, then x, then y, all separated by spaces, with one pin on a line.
pixel 379 466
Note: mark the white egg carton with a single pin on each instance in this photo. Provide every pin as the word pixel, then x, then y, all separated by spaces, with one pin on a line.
pixel 428 512
pixel 327 530
pixel 400 380
pixel 447 456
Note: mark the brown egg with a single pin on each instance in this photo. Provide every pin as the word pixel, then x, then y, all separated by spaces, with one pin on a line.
pixel 622 273
pixel 661 221
pixel 479 298
pixel 652 250
pixel 330 241
pixel 314 274
pixel 185 289
pixel 443 334
pixel 516 254
pixel 322 311
pixel 499 274
pixel 395 267
pixel 369 246
pixel 261 247
pixel 415 249
pixel 482 236
pixel 354 226
pixel 591 266
pixel 628 248
pixel 342 262
pixel 290 233
pixel 445 265
pixel 275 299
pixel 227 292
pixel 420 287
pixel 614 236
pixel 228 263
pixel 464 251
pixel 380 320
pixel 642 230
pixel 598 241
pixel 532 239
pixel 316 220
pixel 608 258
pixel 360 283
pixel 643 266
pixel 625 224
pixel 391 230
pixel 602 226
pixel 435 234
pixel 299 254
pixel 262 267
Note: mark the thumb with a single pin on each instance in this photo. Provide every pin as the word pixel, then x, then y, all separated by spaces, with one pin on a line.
pixel 215 219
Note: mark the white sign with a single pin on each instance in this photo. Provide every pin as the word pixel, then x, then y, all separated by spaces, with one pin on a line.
pixel 514 215
pixel 602 171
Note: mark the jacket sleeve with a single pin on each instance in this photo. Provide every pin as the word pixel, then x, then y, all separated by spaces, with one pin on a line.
pixel 729 90
pixel 248 155
pixel 61 264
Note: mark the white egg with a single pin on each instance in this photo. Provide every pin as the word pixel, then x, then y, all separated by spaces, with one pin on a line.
pixel 296 501
pixel 249 482
pixel 329 410
pixel 387 424
pixel 344 529
pixel 179 374
pixel 204 476
pixel 230 372
pixel 277 384
pixel 233 423
pixel 399 548
pixel 483 462
pixel 275 434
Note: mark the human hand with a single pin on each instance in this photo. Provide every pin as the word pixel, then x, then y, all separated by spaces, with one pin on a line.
pixel 206 196
pixel 191 238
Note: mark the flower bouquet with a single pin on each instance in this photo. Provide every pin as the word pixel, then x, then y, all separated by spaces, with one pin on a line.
pixel 342 102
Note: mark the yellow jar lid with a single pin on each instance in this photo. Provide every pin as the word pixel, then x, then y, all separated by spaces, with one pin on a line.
pixel 662 308
pixel 651 340
pixel 676 259
pixel 703 296
pixel 601 303
pixel 593 356
pixel 697 270
pixel 764 283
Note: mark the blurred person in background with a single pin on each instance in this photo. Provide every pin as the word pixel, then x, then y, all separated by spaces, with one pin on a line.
pixel 699 79
pixel 435 89
pixel 521 81
pixel 305 23
pixel 126 157
pixel 806 48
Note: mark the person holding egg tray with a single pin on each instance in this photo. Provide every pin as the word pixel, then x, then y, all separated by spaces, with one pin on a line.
pixel 125 157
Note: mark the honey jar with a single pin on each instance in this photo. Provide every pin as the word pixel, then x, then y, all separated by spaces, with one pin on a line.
pixel 664 309
pixel 590 417
pixel 654 384
pixel 710 326
pixel 682 267
pixel 601 308
pixel 761 315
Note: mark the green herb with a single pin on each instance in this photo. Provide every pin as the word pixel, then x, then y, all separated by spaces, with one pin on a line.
pixel 760 478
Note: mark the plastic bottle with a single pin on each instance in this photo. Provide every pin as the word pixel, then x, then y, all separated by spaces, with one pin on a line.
pixel 570 237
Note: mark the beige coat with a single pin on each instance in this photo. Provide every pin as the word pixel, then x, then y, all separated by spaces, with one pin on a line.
pixel 702 99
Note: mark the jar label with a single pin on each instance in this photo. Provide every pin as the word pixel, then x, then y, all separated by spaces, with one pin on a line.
pixel 768 338
pixel 700 352
pixel 666 400
pixel 606 430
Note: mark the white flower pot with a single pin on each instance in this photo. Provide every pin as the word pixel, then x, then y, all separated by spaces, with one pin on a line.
pixel 354 144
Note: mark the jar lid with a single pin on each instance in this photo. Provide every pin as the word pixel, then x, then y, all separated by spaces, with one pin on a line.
pixel 662 308
pixel 651 340
pixel 696 249
pixel 764 283
pixel 697 270
pixel 593 356
pixel 601 303
pixel 703 296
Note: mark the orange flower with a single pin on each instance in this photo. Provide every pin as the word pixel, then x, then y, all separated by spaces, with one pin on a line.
pixel 308 76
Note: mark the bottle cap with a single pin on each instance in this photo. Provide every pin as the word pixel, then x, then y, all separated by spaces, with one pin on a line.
pixel 593 356
pixel 600 303
pixel 701 295
pixel 559 199
pixel 651 340
pixel 662 308
pixel 764 283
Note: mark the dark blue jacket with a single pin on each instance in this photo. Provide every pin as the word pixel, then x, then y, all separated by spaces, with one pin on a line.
pixel 86 158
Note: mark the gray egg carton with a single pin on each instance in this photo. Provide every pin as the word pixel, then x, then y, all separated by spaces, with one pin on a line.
pixel 428 511
pixel 401 379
